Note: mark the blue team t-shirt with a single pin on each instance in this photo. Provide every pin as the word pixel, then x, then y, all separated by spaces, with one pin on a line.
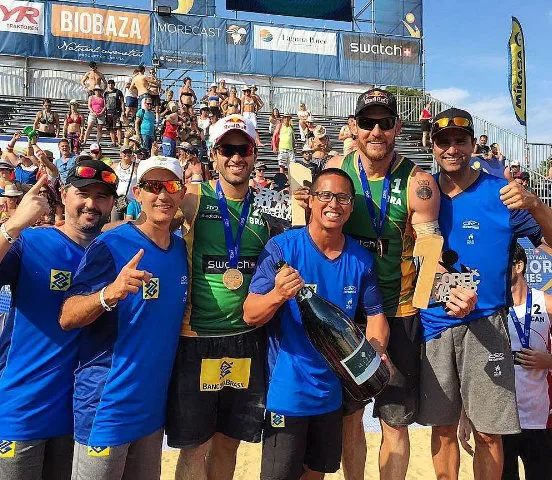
pixel 37 358
pixel 147 126
pixel 482 231
pixel 492 166
pixel 301 382
pixel 64 166
pixel 25 176
pixel 126 355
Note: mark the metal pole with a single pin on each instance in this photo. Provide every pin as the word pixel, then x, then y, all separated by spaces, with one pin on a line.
pixel 26 78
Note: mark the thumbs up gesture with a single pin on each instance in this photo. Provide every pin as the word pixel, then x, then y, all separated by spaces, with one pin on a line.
pixel 129 280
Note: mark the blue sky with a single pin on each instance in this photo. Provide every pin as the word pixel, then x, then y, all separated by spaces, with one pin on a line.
pixel 466 56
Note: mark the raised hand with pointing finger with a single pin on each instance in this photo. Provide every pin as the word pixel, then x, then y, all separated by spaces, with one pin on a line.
pixel 129 280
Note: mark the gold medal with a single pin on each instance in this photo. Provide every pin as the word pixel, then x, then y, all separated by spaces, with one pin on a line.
pixel 379 248
pixel 232 279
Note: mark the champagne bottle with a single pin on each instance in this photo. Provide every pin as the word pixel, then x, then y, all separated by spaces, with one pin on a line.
pixel 343 345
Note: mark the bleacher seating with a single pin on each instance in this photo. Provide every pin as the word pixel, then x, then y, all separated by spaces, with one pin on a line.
pixel 17 112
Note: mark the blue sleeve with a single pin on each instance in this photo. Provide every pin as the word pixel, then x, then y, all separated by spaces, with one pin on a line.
pixel 140 114
pixel 131 210
pixel 96 270
pixel 11 263
pixel 263 278
pixel 524 225
pixel 370 294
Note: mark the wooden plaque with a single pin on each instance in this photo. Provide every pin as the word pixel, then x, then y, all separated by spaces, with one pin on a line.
pixel 428 249
pixel 300 176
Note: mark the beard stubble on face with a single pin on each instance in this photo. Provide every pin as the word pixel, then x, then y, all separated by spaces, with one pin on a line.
pixel 376 156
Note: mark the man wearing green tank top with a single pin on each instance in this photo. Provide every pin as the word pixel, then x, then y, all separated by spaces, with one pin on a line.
pixel 217 391
pixel 392 197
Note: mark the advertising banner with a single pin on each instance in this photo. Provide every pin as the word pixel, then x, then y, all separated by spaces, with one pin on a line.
pixel 516 75
pixel 102 35
pixel 295 40
pixel 22 28
pixel 186 7
pixel 341 10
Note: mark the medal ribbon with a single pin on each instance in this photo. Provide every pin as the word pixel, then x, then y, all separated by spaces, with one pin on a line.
pixel 526 332
pixel 233 247
pixel 385 194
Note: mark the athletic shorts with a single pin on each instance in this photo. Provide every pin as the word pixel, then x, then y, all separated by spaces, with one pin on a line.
pixel 252 117
pixel 131 102
pixel 94 119
pixel 285 157
pixel 534 447
pixel 48 459
pixel 426 125
pixel 112 121
pixel 397 405
pixel 470 365
pixel 155 100
pixel 217 385
pixel 291 442
pixel 137 460
pixel 47 134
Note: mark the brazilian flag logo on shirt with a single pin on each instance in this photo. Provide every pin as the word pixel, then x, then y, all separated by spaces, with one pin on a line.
pixel 60 280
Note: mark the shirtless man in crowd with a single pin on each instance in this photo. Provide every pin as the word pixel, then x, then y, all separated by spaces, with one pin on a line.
pixel 93 78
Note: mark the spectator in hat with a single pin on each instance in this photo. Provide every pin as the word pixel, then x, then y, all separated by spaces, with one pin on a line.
pixel 286 142
pixel 250 107
pixel 134 141
pixel 259 180
pixel 141 154
pixel 203 120
pixel 213 99
pixel 320 144
pixel 47 121
pixel 12 196
pixel 73 127
pixel 126 170
pixel 512 170
pixel 145 124
pixel 168 104
pixel 187 97
pixel 115 106
pixel 191 164
pixel 306 159
pixel 96 115
pixel 97 154
pixel 93 78
pixel 27 169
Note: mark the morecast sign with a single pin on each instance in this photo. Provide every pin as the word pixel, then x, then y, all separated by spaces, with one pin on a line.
pixel 100 24
pixel 371 48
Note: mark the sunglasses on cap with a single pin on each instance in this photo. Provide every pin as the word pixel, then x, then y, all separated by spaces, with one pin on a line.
pixel 157 186
pixel 229 150
pixel 366 123
pixel 454 121
pixel 90 172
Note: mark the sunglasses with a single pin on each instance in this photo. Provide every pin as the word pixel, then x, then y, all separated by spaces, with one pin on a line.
pixel 156 186
pixel 229 150
pixel 90 172
pixel 366 123
pixel 456 121
pixel 190 150
pixel 327 197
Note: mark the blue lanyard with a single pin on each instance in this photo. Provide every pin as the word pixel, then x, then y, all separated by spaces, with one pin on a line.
pixel 233 247
pixel 385 194
pixel 526 332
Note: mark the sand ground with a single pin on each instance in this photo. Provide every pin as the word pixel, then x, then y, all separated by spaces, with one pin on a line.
pixel 421 467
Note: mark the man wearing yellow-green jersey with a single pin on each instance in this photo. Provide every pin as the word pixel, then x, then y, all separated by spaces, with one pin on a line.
pixel 217 391
pixel 411 197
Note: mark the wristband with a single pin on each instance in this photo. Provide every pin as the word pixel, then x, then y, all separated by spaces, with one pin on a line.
pixel 6 235
pixel 106 307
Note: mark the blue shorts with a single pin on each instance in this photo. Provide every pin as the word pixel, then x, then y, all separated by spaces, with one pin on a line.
pixel 169 147
pixel 131 102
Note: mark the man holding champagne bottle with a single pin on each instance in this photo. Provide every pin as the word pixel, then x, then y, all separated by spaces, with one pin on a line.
pixel 303 421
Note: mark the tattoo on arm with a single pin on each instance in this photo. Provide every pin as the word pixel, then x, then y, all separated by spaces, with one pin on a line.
pixel 424 191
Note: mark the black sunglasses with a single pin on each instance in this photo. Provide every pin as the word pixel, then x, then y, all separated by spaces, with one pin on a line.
pixel 366 123
pixel 229 150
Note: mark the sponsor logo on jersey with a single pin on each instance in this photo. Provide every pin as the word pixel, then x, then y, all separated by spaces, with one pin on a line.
pixel 350 289
pixel 370 244
pixel 277 420
pixel 218 264
pixel 496 357
pixel 471 239
pixel 150 290
pixel 60 280
pixel 470 224
pixel 217 373
pixel 7 449
pixel 184 280
pixel 99 451
pixel 349 305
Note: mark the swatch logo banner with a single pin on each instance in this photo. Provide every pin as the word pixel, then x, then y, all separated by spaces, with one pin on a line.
pixel 372 48
pixel 295 40
pixel 22 17
pixel 97 24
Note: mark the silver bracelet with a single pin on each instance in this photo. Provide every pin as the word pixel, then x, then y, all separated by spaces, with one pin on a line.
pixel 106 307
pixel 6 235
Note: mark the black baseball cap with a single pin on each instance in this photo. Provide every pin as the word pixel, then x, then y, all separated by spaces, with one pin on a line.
pixel 88 171
pixel 379 97
pixel 452 118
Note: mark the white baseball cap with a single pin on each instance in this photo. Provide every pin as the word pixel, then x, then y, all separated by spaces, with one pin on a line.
pixel 229 124
pixel 515 163
pixel 158 161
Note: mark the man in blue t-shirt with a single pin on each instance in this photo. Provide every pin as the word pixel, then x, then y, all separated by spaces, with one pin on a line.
pixel 467 362
pixel 304 403
pixel 37 358
pixel 145 123
pixel 128 297
pixel 66 160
